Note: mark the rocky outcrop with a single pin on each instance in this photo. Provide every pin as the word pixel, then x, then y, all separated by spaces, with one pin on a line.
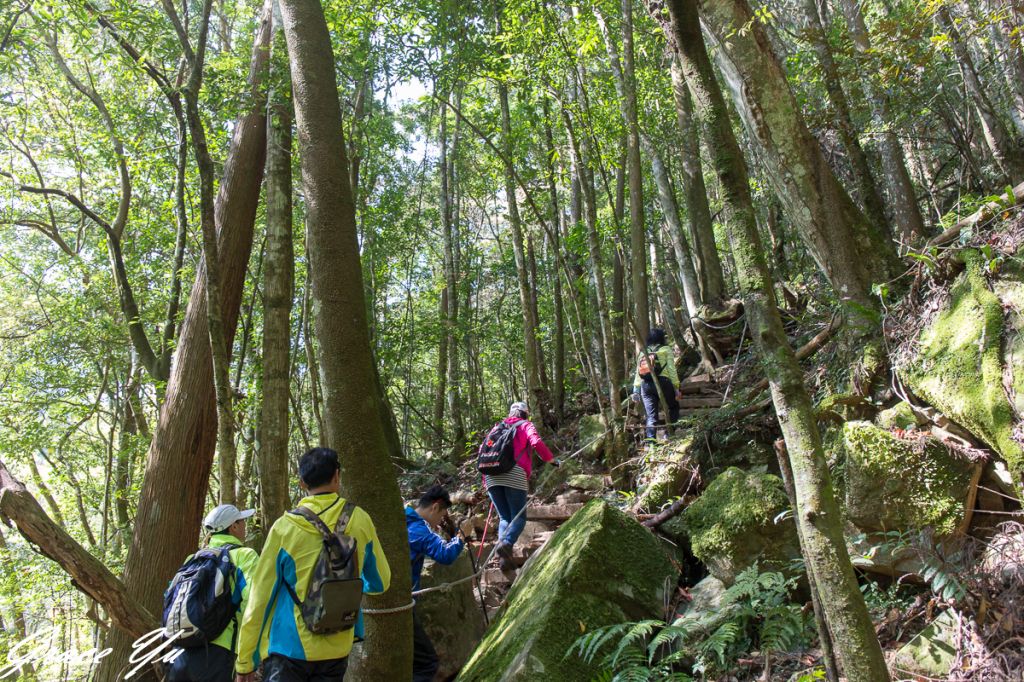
pixel 732 524
pixel 599 568
pixel 959 368
pixel 665 473
pixel 451 617
pixel 893 483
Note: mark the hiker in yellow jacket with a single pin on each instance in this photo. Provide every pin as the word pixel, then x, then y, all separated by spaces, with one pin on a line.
pixel 272 630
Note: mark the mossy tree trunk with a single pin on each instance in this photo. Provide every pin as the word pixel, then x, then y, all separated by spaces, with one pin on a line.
pixel 353 422
pixel 851 251
pixel 817 512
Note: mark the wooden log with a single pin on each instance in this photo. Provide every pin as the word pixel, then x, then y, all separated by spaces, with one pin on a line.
pixel 88 573
pixel 690 403
pixel 984 213
pixel 552 512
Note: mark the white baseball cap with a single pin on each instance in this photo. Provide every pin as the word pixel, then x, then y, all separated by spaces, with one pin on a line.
pixel 223 516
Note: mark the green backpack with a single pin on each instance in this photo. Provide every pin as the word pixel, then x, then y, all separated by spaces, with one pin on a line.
pixel 335 590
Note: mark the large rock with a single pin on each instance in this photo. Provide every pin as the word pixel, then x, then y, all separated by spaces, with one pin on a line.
pixel 593 436
pixel 931 653
pixel 893 483
pixel 732 525
pixel 959 368
pixel 665 473
pixel 601 567
pixel 451 617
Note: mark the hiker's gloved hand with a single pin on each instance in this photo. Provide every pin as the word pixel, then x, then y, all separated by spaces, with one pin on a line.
pixel 635 397
pixel 556 463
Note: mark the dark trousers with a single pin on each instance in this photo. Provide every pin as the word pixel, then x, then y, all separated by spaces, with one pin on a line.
pixel 281 669
pixel 424 656
pixel 652 404
pixel 202 664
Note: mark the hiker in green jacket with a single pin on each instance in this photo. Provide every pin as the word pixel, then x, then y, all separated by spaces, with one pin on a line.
pixel 664 372
pixel 216 662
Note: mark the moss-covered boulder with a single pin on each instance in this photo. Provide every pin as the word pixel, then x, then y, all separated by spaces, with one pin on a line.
pixel 664 473
pixel 893 483
pixel 899 416
pixel 959 368
pixel 932 652
pixel 732 524
pixel 601 567
pixel 593 436
pixel 451 617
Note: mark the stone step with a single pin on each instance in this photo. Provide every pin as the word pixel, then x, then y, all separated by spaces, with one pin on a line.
pixel 697 402
pixel 552 512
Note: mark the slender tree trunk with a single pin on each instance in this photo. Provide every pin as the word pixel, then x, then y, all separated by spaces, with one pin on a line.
pixel 637 230
pixel 1007 153
pixel 278 294
pixel 221 350
pixel 441 389
pixel 168 517
pixel 612 362
pixel 870 197
pixel 554 243
pixel 674 227
pixel 852 252
pixel 695 194
pixel 451 255
pixel 353 427
pixel 531 354
pixel 902 199
pixel 817 511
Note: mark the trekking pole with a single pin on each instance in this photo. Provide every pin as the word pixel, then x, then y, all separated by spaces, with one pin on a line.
pixel 476 578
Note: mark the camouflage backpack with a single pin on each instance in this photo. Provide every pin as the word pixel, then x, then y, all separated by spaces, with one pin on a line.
pixel 335 589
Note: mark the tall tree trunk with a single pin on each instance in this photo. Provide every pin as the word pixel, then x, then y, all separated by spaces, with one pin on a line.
pixel 531 354
pixel 555 245
pixel 613 363
pixel 674 227
pixel 1007 153
pixel 168 517
pixel 353 427
pixel 870 197
pixel 695 194
pixel 902 200
pixel 817 511
pixel 851 251
pixel 278 293
pixel 451 266
pixel 625 84
pixel 221 348
pixel 441 388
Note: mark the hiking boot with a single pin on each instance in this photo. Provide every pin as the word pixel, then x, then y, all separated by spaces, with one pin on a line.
pixel 504 552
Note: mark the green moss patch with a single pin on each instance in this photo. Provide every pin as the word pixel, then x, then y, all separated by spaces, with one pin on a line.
pixel 959 368
pixel 665 472
pixel 732 524
pixel 892 483
pixel 601 567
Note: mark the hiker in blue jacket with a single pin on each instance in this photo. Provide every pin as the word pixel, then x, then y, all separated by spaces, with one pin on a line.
pixel 430 512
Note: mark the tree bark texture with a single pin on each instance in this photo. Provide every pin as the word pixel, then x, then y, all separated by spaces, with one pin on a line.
pixel 278 293
pixel 852 253
pixel 352 417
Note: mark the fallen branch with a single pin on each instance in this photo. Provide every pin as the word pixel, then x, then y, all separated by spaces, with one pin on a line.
pixel 805 351
pixel 87 573
pixel 983 214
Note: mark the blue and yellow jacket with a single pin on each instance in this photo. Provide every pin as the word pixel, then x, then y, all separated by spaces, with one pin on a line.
pixel 272 623
pixel 424 542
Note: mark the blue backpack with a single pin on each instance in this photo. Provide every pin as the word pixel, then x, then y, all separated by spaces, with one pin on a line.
pixel 198 603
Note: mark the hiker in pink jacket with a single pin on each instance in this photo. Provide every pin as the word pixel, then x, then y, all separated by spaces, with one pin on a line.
pixel 508 491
